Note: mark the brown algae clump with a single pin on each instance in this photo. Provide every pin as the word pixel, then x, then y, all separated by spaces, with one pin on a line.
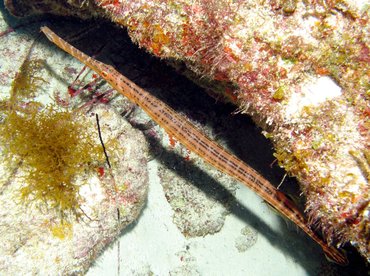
pixel 25 85
pixel 53 148
pixel 27 81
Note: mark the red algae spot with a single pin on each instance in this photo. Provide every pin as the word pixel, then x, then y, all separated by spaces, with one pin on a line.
pixel 109 2
pixel 71 91
pixel 322 71
pixel 230 93
pixel 101 171
pixel 172 141
pixel 187 155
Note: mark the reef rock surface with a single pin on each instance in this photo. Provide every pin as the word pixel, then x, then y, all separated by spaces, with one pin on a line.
pixel 301 69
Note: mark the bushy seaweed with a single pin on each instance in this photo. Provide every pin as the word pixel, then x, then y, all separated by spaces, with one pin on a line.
pixel 28 80
pixel 54 146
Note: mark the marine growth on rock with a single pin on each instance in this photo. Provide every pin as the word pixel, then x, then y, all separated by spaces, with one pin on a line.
pixel 301 69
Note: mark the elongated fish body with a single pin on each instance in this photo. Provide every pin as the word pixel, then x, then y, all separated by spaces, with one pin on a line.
pixel 185 132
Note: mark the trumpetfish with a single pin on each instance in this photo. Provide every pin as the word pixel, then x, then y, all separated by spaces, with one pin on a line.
pixel 193 139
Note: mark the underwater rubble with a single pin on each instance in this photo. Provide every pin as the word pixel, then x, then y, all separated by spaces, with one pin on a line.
pixel 301 69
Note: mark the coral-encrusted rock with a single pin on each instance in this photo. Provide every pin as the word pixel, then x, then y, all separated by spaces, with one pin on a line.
pixel 22 8
pixel 302 69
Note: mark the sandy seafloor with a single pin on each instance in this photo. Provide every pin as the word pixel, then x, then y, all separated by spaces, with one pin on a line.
pixel 248 238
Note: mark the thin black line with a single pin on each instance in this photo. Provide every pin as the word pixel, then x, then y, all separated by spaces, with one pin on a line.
pixel 101 141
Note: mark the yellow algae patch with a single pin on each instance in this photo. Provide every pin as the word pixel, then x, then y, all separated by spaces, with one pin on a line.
pixel 62 231
pixel 53 148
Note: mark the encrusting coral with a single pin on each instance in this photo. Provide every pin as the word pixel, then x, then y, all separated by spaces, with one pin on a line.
pixel 300 68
